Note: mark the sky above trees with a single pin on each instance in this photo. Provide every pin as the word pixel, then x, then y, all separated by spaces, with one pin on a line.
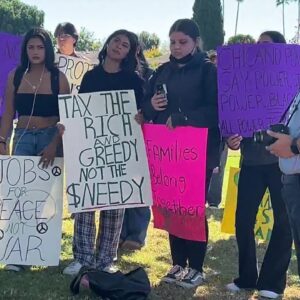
pixel 105 16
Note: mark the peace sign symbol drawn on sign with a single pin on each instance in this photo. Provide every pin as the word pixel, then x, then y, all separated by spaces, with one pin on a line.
pixel 42 228
pixel 56 171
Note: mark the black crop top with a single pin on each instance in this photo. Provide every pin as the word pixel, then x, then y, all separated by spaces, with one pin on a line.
pixel 46 105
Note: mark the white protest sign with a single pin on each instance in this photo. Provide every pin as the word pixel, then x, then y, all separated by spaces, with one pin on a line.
pixel 105 156
pixel 31 200
pixel 74 68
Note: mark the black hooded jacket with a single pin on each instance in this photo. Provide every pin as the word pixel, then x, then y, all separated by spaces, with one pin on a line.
pixel 192 99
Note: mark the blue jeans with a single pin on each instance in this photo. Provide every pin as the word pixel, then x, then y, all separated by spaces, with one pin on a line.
pixel 135 224
pixel 31 142
pixel 291 196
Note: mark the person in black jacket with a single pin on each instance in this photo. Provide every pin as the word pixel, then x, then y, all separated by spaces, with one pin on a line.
pixel 259 172
pixel 191 82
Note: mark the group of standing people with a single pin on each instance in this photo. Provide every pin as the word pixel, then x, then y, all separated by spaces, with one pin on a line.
pixel 32 92
pixel 190 100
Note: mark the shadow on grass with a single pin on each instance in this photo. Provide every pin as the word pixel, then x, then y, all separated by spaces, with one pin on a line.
pixel 215 213
pixel 128 266
pixel 167 291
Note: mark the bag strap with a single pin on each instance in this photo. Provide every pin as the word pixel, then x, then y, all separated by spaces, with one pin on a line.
pixel 75 283
pixel 288 108
pixel 294 111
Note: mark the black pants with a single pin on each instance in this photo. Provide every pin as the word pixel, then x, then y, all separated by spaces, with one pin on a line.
pixel 214 194
pixel 253 182
pixel 192 253
pixel 291 196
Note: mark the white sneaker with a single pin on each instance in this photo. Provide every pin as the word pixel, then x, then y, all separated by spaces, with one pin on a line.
pixel 14 268
pixel 111 269
pixel 232 287
pixel 268 294
pixel 73 268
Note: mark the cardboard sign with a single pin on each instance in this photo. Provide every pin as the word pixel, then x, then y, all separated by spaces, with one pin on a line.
pixel 177 161
pixel 10 53
pixel 30 211
pixel 256 83
pixel 105 157
pixel 74 68
pixel 264 218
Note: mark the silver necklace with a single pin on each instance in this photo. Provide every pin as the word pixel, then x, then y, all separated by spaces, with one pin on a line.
pixel 35 87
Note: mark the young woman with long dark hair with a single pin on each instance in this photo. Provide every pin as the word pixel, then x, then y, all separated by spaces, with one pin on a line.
pixel 191 83
pixel 259 172
pixel 32 92
pixel 116 71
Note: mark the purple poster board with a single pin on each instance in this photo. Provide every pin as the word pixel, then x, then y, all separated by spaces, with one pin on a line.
pixel 256 83
pixel 10 49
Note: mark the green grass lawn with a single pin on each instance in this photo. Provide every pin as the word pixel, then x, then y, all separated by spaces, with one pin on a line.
pixel 220 267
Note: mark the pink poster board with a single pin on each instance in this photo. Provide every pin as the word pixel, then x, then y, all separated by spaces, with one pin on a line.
pixel 177 163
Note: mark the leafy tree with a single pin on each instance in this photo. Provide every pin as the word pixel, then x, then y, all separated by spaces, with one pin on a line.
pixel 17 17
pixel 87 41
pixel 241 39
pixel 208 16
pixel 149 40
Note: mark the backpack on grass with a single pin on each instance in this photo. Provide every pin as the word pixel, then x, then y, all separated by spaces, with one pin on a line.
pixel 134 285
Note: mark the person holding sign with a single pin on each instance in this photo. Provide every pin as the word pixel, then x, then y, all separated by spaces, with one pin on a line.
pixel 287 148
pixel 260 171
pixel 32 91
pixel 66 36
pixel 189 82
pixel 116 71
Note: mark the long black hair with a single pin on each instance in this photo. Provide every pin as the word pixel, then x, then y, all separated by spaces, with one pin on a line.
pixel 188 27
pixel 275 36
pixel 129 63
pixel 43 35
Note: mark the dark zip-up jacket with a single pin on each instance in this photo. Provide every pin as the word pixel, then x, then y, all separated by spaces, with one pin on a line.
pixel 192 99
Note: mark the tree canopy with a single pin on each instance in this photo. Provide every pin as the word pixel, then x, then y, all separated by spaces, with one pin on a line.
pixel 241 39
pixel 17 17
pixel 208 16
pixel 149 40
pixel 87 41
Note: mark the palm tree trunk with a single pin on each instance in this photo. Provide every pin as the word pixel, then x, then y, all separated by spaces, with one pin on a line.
pixel 283 19
pixel 298 27
pixel 237 17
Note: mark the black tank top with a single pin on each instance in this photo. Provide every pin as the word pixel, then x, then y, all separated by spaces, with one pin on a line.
pixel 46 105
